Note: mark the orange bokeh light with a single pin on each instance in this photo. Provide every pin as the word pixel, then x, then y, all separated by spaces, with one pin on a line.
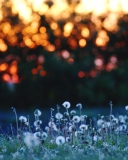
pixel 13 69
pixel 15 78
pixel 82 42
pixel 3 66
pixel 34 71
pixel 43 73
pixel 81 74
pixel 6 77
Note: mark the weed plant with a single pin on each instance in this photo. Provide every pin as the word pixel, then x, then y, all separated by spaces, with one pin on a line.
pixel 68 136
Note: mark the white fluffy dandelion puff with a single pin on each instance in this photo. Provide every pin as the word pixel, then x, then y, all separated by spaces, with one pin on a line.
pixel 126 107
pixel 60 140
pixel 66 104
pixel 22 119
pixel 76 119
pixel 83 127
pixel 37 112
pixel 31 141
pixel 59 116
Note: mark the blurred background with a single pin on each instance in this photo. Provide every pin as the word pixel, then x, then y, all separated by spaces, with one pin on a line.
pixel 53 51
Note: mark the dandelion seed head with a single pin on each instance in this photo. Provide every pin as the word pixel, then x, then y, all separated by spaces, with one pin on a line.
pixel 60 140
pixel 44 135
pixel 66 104
pixel 51 124
pixel 73 112
pixel 76 119
pixel 22 119
pixel 30 140
pixel 100 122
pixel 37 112
pixel 126 107
pixel 83 117
pixel 79 105
pixel 59 116
pixel 83 127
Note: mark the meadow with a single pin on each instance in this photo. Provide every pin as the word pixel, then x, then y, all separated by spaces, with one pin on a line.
pixel 70 135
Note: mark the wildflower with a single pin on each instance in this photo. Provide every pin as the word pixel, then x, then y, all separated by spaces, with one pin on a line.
pixel 44 135
pixel 76 119
pixel 79 105
pixel 60 140
pixel 73 112
pixel 68 139
pixel 37 112
pixel 100 122
pixel 115 120
pixel 30 140
pixel 72 128
pixel 37 135
pixel 126 107
pixel 83 117
pixel 47 129
pixel 121 119
pixel 59 115
pixel 22 119
pixel 83 127
pixel 51 124
pixel 66 104
pixel 37 123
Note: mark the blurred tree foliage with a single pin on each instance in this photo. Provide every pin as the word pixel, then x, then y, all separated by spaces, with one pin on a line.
pixel 61 82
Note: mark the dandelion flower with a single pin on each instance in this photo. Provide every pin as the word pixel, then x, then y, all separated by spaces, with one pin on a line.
pixel 60 140
pixel 37 112
pixel 66 104
pixel 22 119
pixel 73 112
pixel 59 115
pixel 30 140
pixel 100 122
pixel 79 105
pixel 126 107
pixel 51 125
pixel 83 127
pixel 37 123
pixel 76 119
pixel 68 139
pixel 115 120
pixel 44 135
pixel 83 117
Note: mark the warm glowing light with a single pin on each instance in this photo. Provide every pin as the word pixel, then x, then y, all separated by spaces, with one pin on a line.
pixel 41 59
pixel 98 62
pixel 43 73
pixel 15 78
pixel 110 66
pixel 6 77
pixel 85 32
pixel 3 46
pixel 70 60
pixel 34 71
pixel 102 38
pixel 81 74
pixel 3 66
pixel 113 59
pixel 68 28
pixel 65 54
pixel 13 69
pixel 54 26
pixel 6 27
pixel 42 29
pixel 93 73
pixel 50 47
pixel 82 42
